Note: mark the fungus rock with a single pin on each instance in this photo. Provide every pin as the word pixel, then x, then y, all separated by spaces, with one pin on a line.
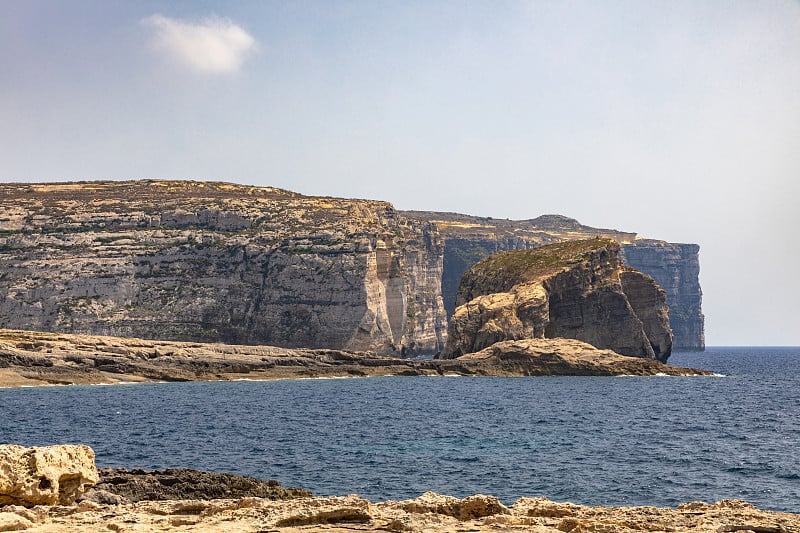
pixel 573 290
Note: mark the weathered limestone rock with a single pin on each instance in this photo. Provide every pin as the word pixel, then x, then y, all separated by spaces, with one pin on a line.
pixel 675 267
pixel 648 299
pixel 571 290
pixel 45 475
pixel 428 513
pixel 469 508
pixel 217 262
pixel 562 357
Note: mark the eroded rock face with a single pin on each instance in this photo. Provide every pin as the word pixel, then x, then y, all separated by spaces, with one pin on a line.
pixel 571 290
pixel 428 513
pixel 218 262
pixel 675 267
pixel 46 475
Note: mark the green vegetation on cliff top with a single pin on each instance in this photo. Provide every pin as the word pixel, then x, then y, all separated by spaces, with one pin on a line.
pixel 520 266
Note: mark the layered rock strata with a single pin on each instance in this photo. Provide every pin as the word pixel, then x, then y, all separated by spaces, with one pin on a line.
pixel 35 358
pixel 675 267
pixel 120 485
pixel 218 262
pixel 573 289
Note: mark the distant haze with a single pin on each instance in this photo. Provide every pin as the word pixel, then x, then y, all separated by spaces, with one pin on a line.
pixel 679 120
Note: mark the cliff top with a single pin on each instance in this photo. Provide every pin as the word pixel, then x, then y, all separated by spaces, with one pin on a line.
pixel 85 205
pixel 541 230
pixel 514 267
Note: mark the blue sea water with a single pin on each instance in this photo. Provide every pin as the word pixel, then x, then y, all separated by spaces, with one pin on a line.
pixel 591 440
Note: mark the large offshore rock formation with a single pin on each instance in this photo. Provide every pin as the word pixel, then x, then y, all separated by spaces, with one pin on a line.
pixel 675 267
pixel 572 289
pixel 218 262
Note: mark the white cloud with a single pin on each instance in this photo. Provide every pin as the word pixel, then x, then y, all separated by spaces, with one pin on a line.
pixel 214 45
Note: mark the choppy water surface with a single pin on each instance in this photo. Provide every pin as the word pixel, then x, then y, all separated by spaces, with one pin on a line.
pixel 628 440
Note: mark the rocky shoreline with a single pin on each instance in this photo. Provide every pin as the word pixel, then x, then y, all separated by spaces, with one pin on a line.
pixel 57 489
pixel 35 358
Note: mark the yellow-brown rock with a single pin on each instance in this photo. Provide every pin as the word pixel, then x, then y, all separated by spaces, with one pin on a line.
pixel 338 514
pixel 45 475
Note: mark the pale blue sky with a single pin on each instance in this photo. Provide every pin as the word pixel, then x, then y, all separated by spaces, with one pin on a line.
pixel 676 119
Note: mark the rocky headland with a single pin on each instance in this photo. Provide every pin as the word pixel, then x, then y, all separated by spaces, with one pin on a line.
pixel 180 501
pixel 567 290
pixel 34 358
pixel 220 262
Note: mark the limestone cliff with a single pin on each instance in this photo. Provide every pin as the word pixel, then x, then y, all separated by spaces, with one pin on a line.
pixel 218 262
pixel 675 267
pixel 572 289
pixel 31 358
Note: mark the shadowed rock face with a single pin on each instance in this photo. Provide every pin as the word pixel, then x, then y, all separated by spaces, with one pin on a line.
pixel 184 484
pixel 218 262
pixel 675 267
pixel 574 290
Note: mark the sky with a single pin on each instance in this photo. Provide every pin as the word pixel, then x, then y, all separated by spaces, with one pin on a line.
pixel 676 119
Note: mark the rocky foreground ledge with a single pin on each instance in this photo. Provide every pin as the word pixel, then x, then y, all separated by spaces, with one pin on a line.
pixel 178 500
pixel 34 358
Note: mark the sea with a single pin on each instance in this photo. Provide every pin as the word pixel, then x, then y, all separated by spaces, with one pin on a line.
pixel 590 440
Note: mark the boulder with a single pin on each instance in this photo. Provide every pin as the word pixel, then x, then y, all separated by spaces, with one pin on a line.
pixel 47 475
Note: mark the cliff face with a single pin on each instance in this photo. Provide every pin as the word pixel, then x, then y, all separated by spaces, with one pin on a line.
pixel 218 262
pixel 675 267
pixel 574 289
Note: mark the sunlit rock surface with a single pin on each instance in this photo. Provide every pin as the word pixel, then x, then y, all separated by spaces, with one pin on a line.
pixel 218 262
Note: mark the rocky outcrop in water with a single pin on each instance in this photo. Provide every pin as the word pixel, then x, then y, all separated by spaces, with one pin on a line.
pixel 218 262
pixel 675 267
pixel 573 290
pixel 45 475
pixel 35 358
pixel 562 357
